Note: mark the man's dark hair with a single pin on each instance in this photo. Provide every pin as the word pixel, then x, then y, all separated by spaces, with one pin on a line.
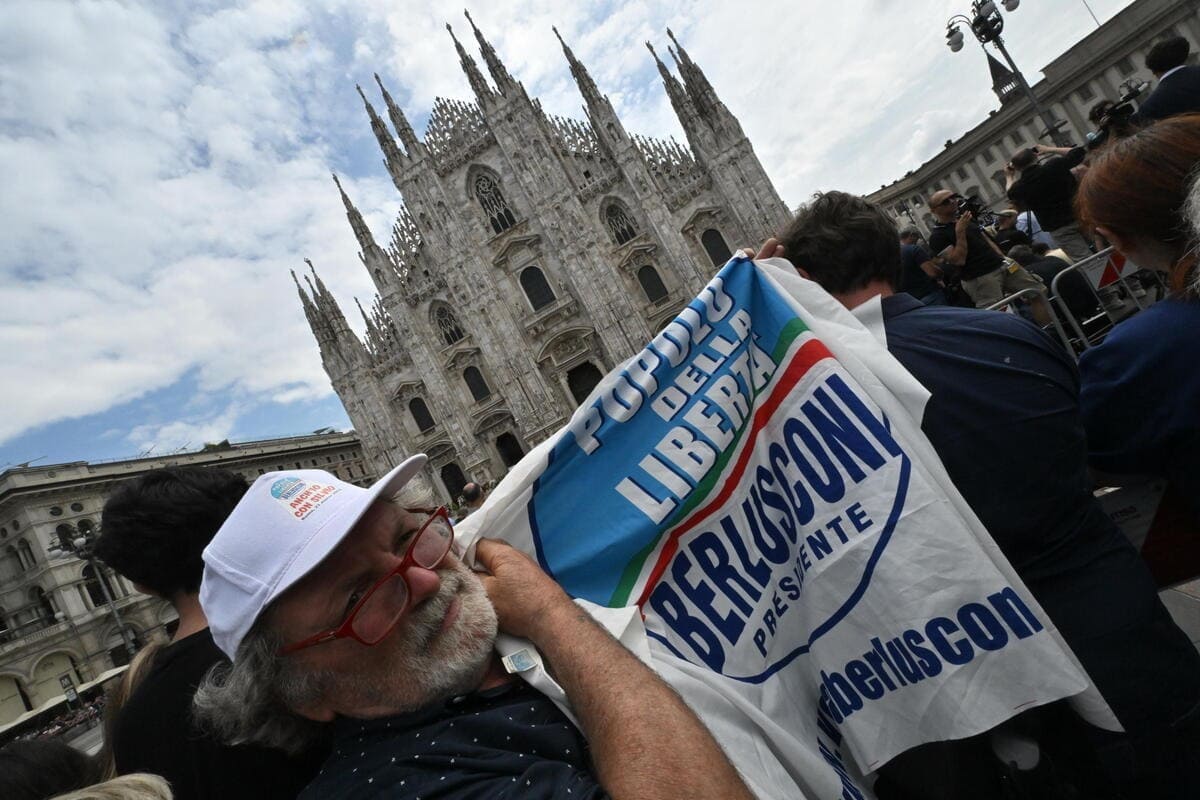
pixel 1098 111
pixel 1040 248
pixel 1022 254
pixel 1024 158
pixel 1167 55
pixel 39 768
pixel 472 492
pixel 155 527
pixel 843 242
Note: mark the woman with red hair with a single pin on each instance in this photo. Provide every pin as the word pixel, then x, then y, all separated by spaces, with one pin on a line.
pixel 1140 388
pixel 1140 393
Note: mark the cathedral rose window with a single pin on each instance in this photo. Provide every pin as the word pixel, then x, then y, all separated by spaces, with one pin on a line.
pixel 447 325
pixel 619 225
pixel 491 199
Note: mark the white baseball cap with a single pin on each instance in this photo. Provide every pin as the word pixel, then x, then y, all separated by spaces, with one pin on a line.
pixel 285 525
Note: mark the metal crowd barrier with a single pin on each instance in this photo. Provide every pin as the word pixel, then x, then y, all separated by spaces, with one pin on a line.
pixel 1031 292
pixel 1091 330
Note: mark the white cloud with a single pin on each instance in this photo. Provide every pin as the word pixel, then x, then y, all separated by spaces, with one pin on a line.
pixel 184 435
pixel 166 165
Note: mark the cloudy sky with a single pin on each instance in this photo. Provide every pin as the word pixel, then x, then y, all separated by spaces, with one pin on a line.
pixel 165 163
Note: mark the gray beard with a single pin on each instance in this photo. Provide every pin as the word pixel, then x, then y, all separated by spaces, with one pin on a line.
pixel 429 665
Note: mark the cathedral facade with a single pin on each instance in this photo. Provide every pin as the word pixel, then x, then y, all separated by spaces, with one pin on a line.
pixel 533 253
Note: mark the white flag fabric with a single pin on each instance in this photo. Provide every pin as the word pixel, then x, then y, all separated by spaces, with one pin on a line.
pixel 756 481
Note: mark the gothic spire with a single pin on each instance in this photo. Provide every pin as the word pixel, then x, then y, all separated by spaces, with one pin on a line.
pixel 408 136
pixel 499 72
pixel 333 320
pixel 372 332
pixel 391 152
pixel 320 293
pixel 693 76
pixel 474 76
pixel 310 310
pixel 708 105
pixel 587 86
pixel 675 90
pixel 362 233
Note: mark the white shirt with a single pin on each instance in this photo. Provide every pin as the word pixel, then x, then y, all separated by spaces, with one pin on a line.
pixel 1171 71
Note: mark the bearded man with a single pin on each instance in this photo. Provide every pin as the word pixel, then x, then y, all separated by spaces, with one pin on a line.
pixel 348 609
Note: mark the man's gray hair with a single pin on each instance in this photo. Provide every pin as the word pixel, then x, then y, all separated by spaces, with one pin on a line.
pixel 1191 216
pixel 417 493
pixel 250 701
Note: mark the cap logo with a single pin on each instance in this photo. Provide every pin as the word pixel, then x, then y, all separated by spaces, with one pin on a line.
pixel 301 497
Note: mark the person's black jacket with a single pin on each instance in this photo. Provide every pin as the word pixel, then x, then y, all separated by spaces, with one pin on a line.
pixel 1177 93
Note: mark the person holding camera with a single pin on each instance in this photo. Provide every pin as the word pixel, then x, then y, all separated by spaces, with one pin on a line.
pixel 1047 188
pixel 963 247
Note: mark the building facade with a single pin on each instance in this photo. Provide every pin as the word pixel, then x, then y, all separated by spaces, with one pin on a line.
pixel 1094 69
pixel 533 254
pixel 55 620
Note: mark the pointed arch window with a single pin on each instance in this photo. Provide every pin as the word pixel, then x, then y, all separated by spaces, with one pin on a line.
pixel 475 382
pixel 447 325
pixel 714 244
pixel 420 414
pixel 491 199
pixel 620 225
pixel 652 283
pixel 537 290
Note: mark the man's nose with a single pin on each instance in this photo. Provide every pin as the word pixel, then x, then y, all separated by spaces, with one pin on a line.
pixel 422 583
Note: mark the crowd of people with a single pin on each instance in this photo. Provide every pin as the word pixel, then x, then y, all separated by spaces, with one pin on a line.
pixel 87 714
pixel 965 263
pixel 341 647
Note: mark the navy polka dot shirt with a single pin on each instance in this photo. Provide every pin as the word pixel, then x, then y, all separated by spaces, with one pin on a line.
pixel 507 742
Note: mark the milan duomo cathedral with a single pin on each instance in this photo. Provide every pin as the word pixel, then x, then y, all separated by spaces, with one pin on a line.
pixel 532 255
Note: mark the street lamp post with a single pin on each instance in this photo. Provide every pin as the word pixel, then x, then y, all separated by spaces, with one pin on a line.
pixel 906 210
pixel 987 24
pixel 81 547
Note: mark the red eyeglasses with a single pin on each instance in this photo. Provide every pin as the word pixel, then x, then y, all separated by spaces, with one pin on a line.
pixel 382 607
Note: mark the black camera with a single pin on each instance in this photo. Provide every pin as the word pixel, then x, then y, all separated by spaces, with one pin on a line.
pixel 979 212
pixel 1115 119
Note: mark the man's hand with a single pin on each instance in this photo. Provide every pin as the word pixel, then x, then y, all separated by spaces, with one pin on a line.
pixel 771 248
pixel 522 594
pixel 621 704
pixel 960 227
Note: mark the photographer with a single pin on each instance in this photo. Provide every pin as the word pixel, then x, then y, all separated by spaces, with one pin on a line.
pixel 962 246
pixel 1047 188
pixel 1113 120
